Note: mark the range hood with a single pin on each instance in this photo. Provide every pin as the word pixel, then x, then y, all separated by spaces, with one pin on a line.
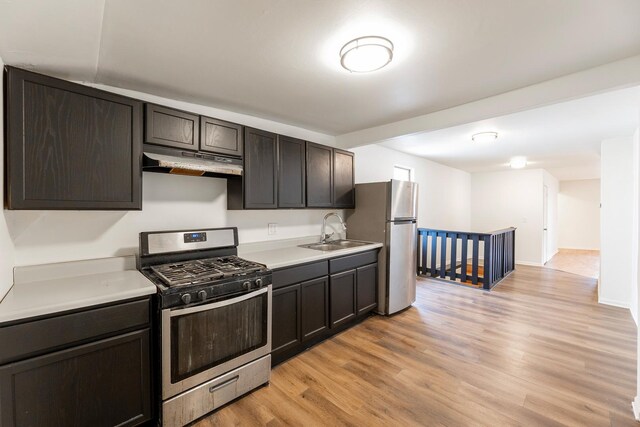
pixel 190 163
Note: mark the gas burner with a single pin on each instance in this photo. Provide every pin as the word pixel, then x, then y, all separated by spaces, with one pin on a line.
pixel 204 271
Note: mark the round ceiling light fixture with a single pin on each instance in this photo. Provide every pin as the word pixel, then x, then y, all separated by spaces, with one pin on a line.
pixel 366 54
pixel 484 137
pixel 518 162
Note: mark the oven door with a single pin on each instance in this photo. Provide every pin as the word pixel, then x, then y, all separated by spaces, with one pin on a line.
pixel 203 342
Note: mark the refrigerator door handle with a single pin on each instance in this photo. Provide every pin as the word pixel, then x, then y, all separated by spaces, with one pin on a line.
pixel 402 220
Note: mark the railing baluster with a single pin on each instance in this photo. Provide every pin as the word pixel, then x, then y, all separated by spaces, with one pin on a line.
pixel 454 253
pixel 486 276
pixel 443 255
pixel 434 251
pixel 424 252
pixel 464 242
pixel 475 253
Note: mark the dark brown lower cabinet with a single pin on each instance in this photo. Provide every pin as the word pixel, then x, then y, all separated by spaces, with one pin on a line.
pixel 314 307
pixel 285 329
pixel 367 287
pixel 343 297
pixel 103 383
pixel 313 301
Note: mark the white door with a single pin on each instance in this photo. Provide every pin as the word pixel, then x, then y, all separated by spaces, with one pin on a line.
pixel 545 223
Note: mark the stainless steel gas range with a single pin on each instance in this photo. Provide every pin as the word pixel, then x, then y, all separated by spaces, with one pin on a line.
pixel 214 316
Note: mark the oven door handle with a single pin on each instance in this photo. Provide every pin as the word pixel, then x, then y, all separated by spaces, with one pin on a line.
pixel 210 306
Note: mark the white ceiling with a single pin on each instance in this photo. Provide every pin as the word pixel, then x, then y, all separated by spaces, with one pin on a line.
pixel 562 138
pixel 278 58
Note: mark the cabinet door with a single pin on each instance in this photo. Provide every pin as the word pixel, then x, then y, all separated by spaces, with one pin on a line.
pixel 104 383
pixel 285 332
pixel 171 128
pixel 314 307
pixel 343 185
pixel 220 137
pixel 260 169
pixel 342 296
pixel 319 176
pixel 291 172
pixel 70 146
pixel 367 285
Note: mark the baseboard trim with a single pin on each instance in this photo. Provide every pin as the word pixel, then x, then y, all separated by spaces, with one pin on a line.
pixel 580 249
pixel 613 303
pixel 531 264
pixel 635 406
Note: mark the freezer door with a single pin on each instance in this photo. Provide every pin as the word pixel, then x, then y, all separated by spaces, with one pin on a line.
pixel 403 200
pixel 401 276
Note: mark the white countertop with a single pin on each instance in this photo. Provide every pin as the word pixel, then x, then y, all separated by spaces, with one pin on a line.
pixel 285 253
pixel 69 287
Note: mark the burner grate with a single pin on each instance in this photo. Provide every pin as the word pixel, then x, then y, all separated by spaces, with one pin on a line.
pixel 204 270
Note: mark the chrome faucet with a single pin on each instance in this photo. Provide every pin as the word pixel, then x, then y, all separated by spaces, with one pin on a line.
pixel 323 235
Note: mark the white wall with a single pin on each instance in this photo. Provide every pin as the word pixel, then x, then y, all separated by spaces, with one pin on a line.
pixel 553 187
pixel 444 192
pixel 169 202
pixel 636 169
pixel 511 199
pixel 6 245
pixel 635 227
pixel 616 221
pixel 579 214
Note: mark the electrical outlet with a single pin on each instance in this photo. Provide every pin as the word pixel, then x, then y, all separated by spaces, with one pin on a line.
pixel 272 228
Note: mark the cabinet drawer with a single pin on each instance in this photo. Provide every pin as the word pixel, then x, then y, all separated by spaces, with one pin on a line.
pixel 301 273
pixel 352 261
pixel 31 338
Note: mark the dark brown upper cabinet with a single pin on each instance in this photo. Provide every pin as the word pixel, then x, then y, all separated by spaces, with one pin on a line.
pixel 260 169
pixel 70 146
pixel 319 176
pixel 171 128
pixel 343 180
pixel 219 137
pixel 291 172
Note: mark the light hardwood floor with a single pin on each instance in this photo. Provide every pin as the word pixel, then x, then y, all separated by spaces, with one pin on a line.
pixel 535 351
pixel 576 261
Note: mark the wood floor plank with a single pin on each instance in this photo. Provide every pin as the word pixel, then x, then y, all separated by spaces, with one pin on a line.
pixel 536 350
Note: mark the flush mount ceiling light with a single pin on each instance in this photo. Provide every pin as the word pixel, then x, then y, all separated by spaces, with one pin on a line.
pixel 518 162
pixel 366 54
pixel 484 137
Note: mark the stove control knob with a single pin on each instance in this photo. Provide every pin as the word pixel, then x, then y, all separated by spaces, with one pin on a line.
pixel 202 295
pixel 186 298
pixel 247 285
pixel 259 283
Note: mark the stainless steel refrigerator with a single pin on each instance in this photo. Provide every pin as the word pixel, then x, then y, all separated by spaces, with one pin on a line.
pixel 386 212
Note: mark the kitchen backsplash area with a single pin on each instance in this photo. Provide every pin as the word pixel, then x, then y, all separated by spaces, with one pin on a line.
pixel 169 202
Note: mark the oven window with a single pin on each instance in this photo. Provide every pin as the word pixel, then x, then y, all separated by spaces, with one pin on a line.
pixel 202 340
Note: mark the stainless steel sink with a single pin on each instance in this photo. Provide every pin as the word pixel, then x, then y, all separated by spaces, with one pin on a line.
pixel 335 245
